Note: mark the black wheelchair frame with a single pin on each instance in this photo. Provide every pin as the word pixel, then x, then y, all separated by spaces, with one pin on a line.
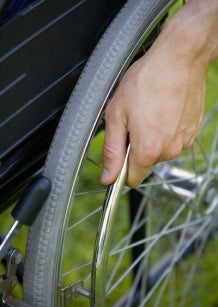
pixel 44 46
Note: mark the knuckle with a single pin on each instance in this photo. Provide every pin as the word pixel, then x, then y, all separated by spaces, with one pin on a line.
pixel 173 152
pixel 190 142
pixel 149 155
pixel 109 109
pixel 112 114
pixel 113 107
pixel 109 152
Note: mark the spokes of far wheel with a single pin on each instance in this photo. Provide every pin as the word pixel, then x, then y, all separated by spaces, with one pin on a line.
pixel 190 237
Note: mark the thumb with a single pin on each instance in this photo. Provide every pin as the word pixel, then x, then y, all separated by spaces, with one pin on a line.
pixel 114 150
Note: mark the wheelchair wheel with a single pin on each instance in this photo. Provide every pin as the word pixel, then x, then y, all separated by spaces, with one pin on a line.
pixel 163 227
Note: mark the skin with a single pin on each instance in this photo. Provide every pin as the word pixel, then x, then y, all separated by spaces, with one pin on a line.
pixel 159 103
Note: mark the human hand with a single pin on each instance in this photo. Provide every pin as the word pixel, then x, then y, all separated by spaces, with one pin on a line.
pixel 158 107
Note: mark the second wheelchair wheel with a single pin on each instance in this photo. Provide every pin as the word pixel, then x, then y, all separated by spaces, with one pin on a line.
pixel 161 228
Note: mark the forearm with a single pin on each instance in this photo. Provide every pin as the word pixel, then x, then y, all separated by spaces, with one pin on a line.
pixel 205 18
pixel 193 31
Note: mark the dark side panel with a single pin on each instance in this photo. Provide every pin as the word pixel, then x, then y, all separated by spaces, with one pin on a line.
pixel 42 51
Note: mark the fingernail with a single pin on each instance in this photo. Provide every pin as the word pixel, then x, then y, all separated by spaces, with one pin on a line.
pixel 105 176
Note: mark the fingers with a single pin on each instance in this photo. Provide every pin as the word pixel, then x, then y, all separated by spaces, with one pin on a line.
pixel 146 153
pixel 114 149
pixel 136 172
